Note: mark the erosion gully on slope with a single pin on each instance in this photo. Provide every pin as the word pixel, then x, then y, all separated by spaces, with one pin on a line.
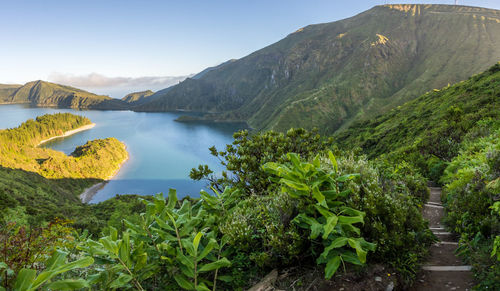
pixel 444 270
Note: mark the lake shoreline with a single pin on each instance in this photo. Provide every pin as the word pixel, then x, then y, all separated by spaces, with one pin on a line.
pixel 91 191
pixel 68 133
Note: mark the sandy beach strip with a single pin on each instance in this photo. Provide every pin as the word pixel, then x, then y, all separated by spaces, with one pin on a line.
pixel 68 133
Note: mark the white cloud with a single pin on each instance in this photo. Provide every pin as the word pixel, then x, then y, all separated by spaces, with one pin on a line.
pixel 95 80
pixel 114 86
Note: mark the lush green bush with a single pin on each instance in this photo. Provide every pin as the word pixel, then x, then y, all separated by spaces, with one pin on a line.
pixel 472 185
pixel 391 197
pixel 244 157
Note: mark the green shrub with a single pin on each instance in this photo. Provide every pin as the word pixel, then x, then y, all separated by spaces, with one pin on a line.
pixel 391 197
pixel 471 189
pixel 244 157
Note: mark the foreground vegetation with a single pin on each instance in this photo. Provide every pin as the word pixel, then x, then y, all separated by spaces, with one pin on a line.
pixel 324 209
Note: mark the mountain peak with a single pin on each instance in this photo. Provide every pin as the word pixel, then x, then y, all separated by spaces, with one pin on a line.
pixel 328 75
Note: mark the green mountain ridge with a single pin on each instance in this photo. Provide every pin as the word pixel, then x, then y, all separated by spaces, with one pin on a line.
pixel 41 93
pixel 328 75
pixel 137 97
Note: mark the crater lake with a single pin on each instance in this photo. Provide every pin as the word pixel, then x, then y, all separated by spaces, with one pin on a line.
pixel 161 150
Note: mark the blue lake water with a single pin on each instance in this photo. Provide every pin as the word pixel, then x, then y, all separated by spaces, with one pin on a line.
pixel 162 151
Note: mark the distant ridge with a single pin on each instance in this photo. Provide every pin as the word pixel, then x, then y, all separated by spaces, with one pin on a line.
pixel 329 75
pixel 41 93
pixel 137 97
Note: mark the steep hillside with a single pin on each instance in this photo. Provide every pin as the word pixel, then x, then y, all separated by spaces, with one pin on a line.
pixel 41 93
pixel 430 129
pixel 137 97
pixel 328 75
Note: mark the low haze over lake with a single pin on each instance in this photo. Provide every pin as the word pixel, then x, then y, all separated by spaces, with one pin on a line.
pixel 162 151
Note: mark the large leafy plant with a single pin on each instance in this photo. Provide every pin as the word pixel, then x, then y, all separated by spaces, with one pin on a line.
pixel 173 245
pixel 28 279
pixel 324 213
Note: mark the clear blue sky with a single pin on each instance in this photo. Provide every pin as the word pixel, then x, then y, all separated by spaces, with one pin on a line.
pixel 152 38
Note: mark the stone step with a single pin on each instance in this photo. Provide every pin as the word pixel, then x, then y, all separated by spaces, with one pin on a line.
pixel 447 268
pixel 448 243
pixel 434 229
pixel 443 254
pixel 445 236
pixel 434 203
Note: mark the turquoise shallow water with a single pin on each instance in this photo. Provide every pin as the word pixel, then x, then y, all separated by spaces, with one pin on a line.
pixel 162 151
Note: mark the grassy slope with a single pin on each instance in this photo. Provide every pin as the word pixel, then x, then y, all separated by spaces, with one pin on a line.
pixel 328 75
pixel 42 93
pixel 440 115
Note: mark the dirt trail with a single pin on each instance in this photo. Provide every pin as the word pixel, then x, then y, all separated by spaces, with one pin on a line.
pixel 444 270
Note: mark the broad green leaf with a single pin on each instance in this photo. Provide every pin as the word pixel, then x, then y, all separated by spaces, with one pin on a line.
pixel 124 249
pixel 57 259
pixel 359 250
pixel 141 261
pixel 68 284
pixel 295 159
pixel 331 222
pixel 121 281
pixel 271 167
pixel 209 199
pixel 333 160
pixel 47 275
pixel 208 248
pixel 350 219
pixel 185 261
pixel 345 193
pixel 215 265
pixel 163 224
pixel 332 266
pixel 347 177
pixel 225 278
pixel 295 185
pixel 316 161
pixel 183 282
pixel 352 211
pixel 172 198
pixel 202 287
pixel 337 243
pixel 196 242
pixel 109 245
pixel 316 230
pixel 24 279
pixel 113 233
pixel 351 257
pixel 323 210
pixel 318 196
pixel 349 227
pixel 132 226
